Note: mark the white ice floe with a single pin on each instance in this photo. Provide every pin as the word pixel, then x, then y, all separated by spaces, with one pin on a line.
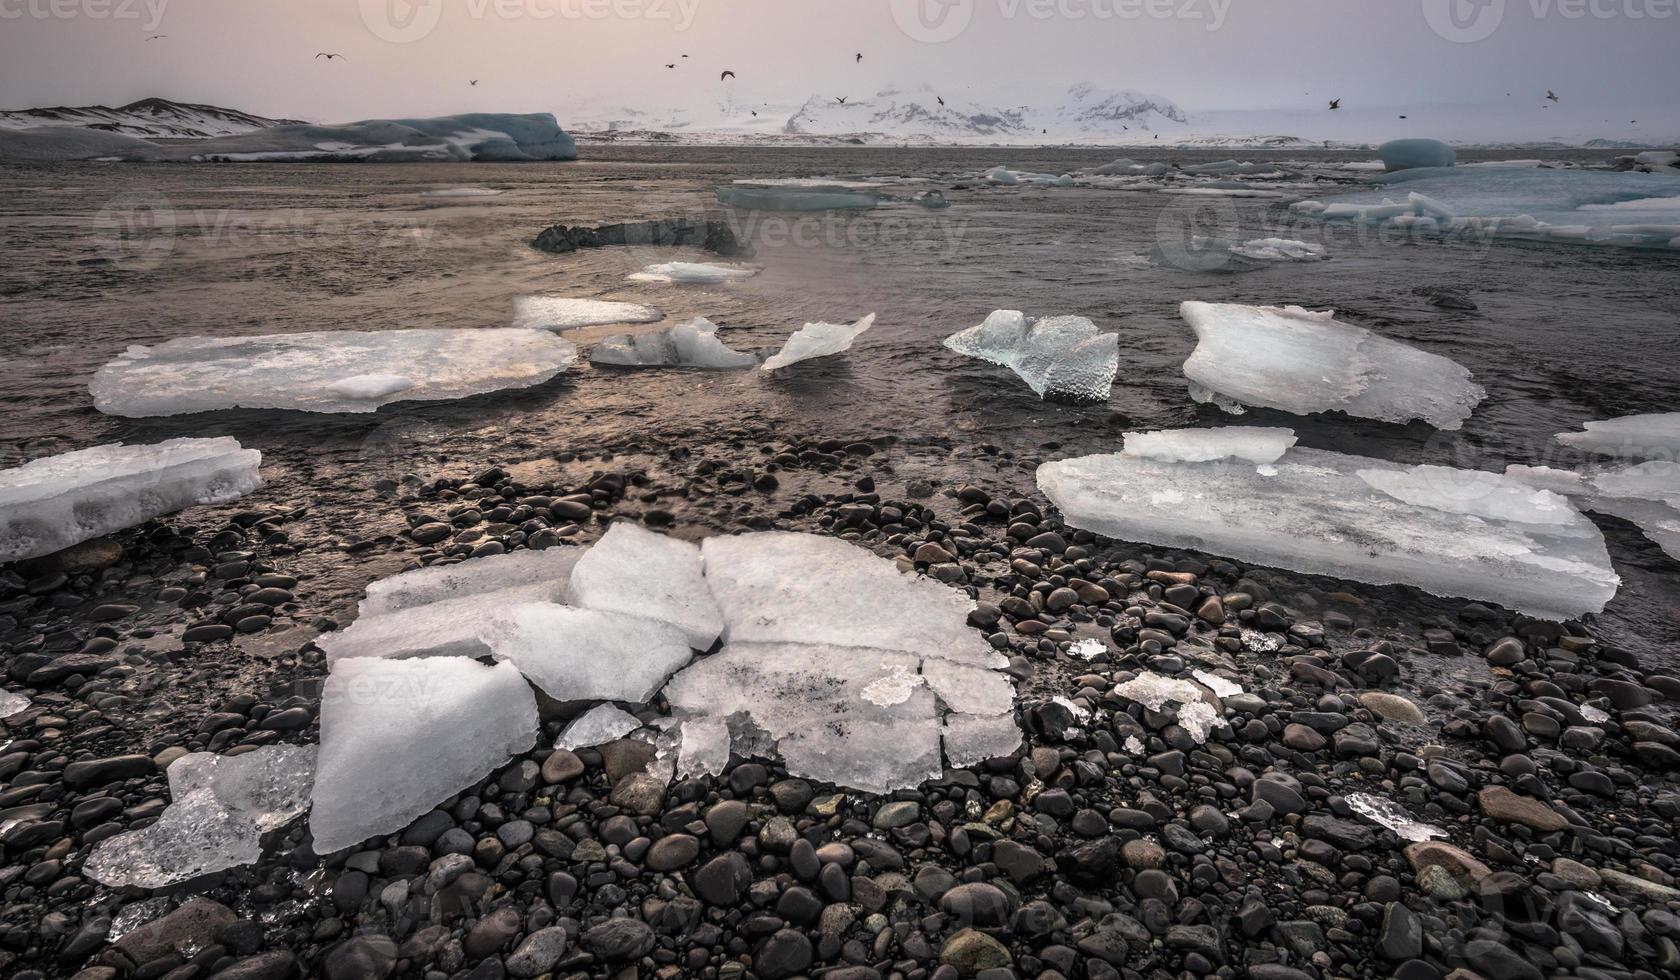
pixel 325 371
pixel 1303 362
pixel 637 572
pixel 972 739
pixel 1384 812
pixel 1323 513
pixel 220 806
pixel 578 654
pixel 1653 436
pixel 599 725
pixel 691 272
pixel 693 344
pixel 1063 358
pixel 54 502
pixel 12 703
pixel 1646 495
pixel 1255 444
pixel 560 313
pixel 464 718
pixel 818 340
pixel 785 198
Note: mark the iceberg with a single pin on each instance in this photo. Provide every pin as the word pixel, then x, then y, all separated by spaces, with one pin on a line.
pixel 587 654
pixel 54 502
pixel 1654 436
pixel 599 725
pixel 693 344
pixel 561 313
pixel 1254 444
pixel 818 340
pixel 1303 362
pixel 1061 358
pixel 471 137
pixel 785 198
pixel 325 371
pixel 691 273
pixel 469 718
pixel 1446 531
pixel 634 571
pixel 1411 154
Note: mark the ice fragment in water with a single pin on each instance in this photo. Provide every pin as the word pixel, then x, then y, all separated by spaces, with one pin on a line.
pixel 1061 358
pixel 1408 154
pixel 691 272
pixel 1253 443
pixel 588 654
pixel 1279 250
pixel 637 572
pixel 469 718
pixel 136 914
pixel 52 503
pixel 818 340
pixel 324 371
pixel 1385 812
pixel 692 344
pixel 597 726
pixel 1655 436
pixel 558 313
pixel 1321 513
pixel 1303 362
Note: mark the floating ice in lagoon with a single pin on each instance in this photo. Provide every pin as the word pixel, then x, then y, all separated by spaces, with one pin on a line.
pixel 1303 362
pixel 637 572
pixel 691 272
pixel 1322 513
pixel 1001 175
pixel 12 703
pixel 692 344
pixel 818 340
pixel 560 313
pixel 1256 444
pixel 587 654
pixel 1409 154
pixel 1654 436
pixel 1385 812
pixel 1280 250
pixel 220 806
pixel 795 198
pixel 324 371
pixel 468 717
pixel 598 726
pixel 1061 358
pixel 1646 495
pixel 51 503
pixel 931 199
pixel 462 192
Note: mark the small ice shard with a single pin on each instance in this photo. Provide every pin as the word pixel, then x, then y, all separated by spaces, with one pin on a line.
pixel 560 313
pixel 1408 154
pixel 795 199
pixel 462 192
pixel 818 340
pixel 931 199
pixel 1220 687
pixel 1154 691
pixel 220 806
pixel 972 739
pixel 136 914
pixel 704 747
pixel 375 714
pixel 1385 812
pixel 54 502
pixel 637 572
pixel 1654 436
pixel 588 654
pixel 1061 358
pixel 12 703
pixel 599 725
pixel 324 371
pixel 1198 719
pixel 475 576
pixel 1001 175
pixel 1594 715
pixel 691 272
pixel 1280 250
pixel 1259 642
pixel 1255 444
pixel 1446 531
pixel 1088 649
pixel 692 344
pixel 1303 362
pixel 1133 745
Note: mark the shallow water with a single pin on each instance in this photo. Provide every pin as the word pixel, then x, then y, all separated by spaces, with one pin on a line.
pixel 103 256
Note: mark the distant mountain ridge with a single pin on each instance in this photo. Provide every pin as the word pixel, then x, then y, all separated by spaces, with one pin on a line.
pixel 145 119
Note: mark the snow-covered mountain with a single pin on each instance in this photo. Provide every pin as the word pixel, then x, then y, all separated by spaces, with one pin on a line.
pixel 146 119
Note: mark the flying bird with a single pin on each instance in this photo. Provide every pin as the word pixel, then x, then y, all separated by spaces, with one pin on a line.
pixel 1402 117
pixel 727 74
pixel 1335 103
pixel 941 101
pixel 685 56
pixel 754 111
pixel 1551 96
pixel 670 66
pixel 840 99
pixel 157 37
pixel 859 57
pixel 472 81
pixel 330 57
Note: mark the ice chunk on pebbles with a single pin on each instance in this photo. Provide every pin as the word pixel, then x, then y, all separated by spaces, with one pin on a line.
pixel 220 806
pixel 12 703
pixel 1654 436
pixel 548 569
pixel 1254 444
pixel 588 654
pixel 400 736
pixel 1386 813
pixel 560 313
pixel 1061 358
pixel 692 344
pixel 637 572
pixel 972 739
pixel 325 371
pixel 691 273
pixel 52 503
pixel 1474 535
pixel 1304 362
pixel 1155 692
pixel 818 340
pixel 597 726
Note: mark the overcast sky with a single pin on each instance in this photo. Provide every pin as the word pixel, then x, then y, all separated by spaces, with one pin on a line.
pixel 565 56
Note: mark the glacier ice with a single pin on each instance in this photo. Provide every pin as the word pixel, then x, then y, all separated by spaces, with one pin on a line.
pixel 784 198
pixel 1303 362
pixel 474 137
pixel 547 569
pixel 1061 358
pixel 462 192
pixel 220 806
pixel 1384 812
pixel 1653 436
pixel 1220 687
pixel 587 654
pixel 818 340
pixel 972 739
pixel 1252 443
pixel 561 313
pixel 1646 494
pixel 1409 154
pixel 692 344
pixel 691 272
pixel 599 725
pixel 325 371
pixel 51 503
pixel 467 717
pixel 1322 513
pixel 638 572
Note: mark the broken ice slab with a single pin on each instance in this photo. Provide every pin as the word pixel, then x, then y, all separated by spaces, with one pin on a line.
pixel 692 344
pixel 560 313
pixel 587 654
pixel 1447 531
pixel 1653 436
pixel 815 198
pixel 599 725
pixel 818 340
pixel 809 699
pixel 691 272
pixel 1303 362
pixel 376 714
pixel 551 567
pixel 781 587
pixel 325 371
pixel 637 572
pixel 57 501
pixel 220 806
pixel 1061 358
pixel 972 739
pixel 1646 495
pixel 1256 444
pixel 1279 250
